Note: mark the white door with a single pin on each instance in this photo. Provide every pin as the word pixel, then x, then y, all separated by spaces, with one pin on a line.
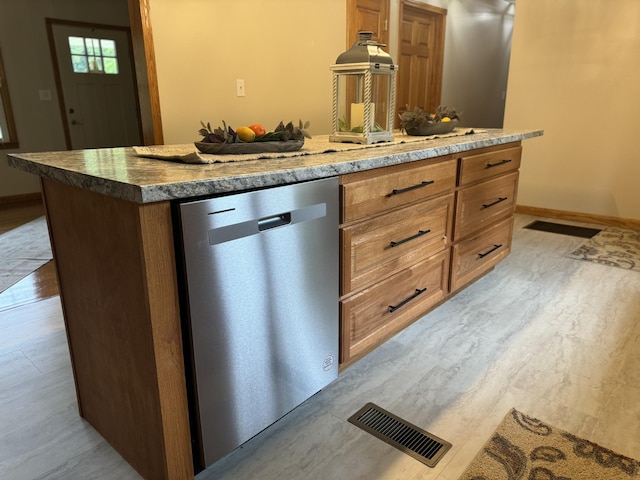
pixel 98 86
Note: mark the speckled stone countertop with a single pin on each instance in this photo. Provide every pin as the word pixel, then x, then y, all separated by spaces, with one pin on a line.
pixel 118 172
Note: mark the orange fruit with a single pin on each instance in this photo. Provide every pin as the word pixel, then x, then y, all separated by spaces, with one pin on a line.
pixel 246 134
pixel 258 130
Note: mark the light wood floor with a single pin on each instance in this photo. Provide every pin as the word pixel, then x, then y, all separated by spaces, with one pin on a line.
pixel 556 338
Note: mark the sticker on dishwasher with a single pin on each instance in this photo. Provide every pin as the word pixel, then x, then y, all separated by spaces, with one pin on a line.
pixel 328 363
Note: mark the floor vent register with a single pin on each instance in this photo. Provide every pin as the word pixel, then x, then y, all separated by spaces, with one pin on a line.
pixel 421 445
pixel 572 230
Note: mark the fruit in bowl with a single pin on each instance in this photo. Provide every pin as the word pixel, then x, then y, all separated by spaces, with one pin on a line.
pixel 253 133
pixel 258 130
pixel 253 139
pixel 419 122
pixel 246 134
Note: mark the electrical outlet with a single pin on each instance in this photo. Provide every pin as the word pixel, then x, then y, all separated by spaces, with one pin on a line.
pixel 240 88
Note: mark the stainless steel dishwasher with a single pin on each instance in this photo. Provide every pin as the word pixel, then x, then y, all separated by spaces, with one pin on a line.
pixel 261 274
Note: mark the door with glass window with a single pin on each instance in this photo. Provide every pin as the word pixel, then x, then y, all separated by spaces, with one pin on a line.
pixel 96 81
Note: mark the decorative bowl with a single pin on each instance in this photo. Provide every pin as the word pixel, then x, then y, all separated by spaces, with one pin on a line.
pixel 251 147
pixel 432 128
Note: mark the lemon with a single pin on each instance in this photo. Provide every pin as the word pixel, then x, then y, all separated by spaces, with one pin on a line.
pixel 445 119
pixel 246 134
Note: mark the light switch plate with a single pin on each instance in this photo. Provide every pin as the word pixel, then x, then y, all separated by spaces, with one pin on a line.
pixel 240 88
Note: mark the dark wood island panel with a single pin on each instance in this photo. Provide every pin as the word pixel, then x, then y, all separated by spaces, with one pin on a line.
pixel 117 276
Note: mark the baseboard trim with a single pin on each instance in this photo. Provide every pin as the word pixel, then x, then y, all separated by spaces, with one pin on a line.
pixel 579 217
pixel 20 200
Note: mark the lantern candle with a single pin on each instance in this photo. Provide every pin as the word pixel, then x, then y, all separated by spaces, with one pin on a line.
pixel 357 115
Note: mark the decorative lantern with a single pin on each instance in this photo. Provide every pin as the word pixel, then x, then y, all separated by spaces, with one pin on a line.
pixel 364 93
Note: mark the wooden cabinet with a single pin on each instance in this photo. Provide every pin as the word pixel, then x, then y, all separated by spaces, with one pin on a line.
pixel 119 294
pixel 374 314
pixel 485 202
pixel 395 238
pixel 372 192
pixel 382 245
pixel 479 165
pixel 475 256
pixel 413 234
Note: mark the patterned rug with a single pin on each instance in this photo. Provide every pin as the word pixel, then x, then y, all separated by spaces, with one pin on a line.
pixel 524 448
pixel 615 247
pixel 22 251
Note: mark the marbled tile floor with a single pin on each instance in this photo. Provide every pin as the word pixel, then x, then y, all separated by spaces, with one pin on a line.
pixel 556 338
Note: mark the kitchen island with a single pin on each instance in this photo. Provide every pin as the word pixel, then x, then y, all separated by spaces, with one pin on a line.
pixel 112 231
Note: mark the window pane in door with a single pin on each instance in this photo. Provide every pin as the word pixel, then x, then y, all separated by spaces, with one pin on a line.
pixel 95 65
pixel 93 46
pixel 108 47
pixel 76 45
pixel 79 63
pixel 93 55
pixel 110 66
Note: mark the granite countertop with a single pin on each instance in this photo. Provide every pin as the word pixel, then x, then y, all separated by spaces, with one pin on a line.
pixel 120 173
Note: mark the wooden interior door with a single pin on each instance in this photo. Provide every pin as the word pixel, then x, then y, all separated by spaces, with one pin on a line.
pixel 368 16
pixel 420 56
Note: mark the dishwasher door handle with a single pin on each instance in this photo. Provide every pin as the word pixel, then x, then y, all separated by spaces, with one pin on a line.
pixel 274 221
pixel 254 227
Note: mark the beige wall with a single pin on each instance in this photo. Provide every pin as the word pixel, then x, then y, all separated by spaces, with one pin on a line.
pixel 282 50
pixel 575 73
pixel 193 89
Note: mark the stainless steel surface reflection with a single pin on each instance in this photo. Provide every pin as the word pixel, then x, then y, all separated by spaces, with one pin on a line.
pixel 262 294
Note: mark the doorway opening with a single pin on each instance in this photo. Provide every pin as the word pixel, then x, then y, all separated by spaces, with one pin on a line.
pixel 96 83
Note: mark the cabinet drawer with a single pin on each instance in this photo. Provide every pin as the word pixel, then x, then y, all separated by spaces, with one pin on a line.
pixel 373 315
pixel 378 247
pixel 483 203
pixel 372 192
pixel 476 168
pixel 473 257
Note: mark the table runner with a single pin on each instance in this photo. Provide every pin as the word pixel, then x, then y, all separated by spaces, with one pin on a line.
pixel 188 153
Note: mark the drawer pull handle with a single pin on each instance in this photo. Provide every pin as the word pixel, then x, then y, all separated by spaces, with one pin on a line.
pixel 413 237
pixel 495 247
pixel 497 164
pixel 412 187
pixel 393 308
pixel 500 199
